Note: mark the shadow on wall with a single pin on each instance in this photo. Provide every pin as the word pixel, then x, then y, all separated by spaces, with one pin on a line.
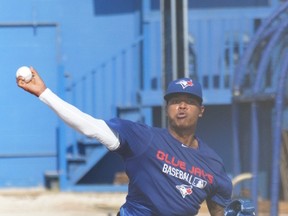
pixel 108 7
pixel 193 4
pixel 227 3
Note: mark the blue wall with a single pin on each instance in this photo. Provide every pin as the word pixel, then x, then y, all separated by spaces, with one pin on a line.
pixel 81 35
pixel 70 33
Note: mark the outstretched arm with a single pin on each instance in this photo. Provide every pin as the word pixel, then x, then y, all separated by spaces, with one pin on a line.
pixel 214 208
pixel 75 118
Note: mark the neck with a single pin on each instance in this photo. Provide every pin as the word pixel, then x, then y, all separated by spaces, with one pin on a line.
pixel 186 138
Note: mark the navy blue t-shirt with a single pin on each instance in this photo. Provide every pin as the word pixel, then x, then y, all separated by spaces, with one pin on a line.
pixel 166 177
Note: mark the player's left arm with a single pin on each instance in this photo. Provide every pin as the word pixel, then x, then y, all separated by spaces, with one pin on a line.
pixel 214 208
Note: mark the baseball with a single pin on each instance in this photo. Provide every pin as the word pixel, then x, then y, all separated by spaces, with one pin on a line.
pixel 24 72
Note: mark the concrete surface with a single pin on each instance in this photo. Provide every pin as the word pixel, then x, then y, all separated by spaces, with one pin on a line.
pixel 39 202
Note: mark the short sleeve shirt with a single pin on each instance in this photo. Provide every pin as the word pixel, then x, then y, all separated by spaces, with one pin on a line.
pixel 166 177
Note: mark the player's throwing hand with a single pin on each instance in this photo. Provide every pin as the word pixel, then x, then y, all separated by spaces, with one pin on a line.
pixel 36 86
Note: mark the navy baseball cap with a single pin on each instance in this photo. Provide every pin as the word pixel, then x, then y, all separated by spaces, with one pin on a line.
pixel 184 86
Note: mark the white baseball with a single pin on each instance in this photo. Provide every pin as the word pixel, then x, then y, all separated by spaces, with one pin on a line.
pixel 24 72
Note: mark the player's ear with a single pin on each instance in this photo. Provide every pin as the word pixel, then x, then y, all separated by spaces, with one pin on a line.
pixel 202 109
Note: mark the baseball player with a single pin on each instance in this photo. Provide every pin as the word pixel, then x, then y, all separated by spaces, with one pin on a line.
pixel 171 170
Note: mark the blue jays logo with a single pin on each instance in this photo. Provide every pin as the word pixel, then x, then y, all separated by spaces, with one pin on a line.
pixel 185 83
pixel 185 189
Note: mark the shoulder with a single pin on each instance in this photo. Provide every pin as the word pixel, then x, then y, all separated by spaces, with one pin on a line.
pixel 131 130
pixel 208 152
pixel 216 165
pixel 117 123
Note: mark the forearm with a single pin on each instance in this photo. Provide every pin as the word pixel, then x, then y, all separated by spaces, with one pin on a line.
pixel 218 212
pixel 215 209
pixel 80 121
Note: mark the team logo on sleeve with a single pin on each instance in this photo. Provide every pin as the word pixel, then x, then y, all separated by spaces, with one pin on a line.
pixel 185 189
pixel 185 83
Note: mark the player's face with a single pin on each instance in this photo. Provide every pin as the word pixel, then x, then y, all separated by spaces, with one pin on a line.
pixel 183 112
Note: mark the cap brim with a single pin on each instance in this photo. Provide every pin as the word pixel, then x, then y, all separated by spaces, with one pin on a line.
pixel 169 96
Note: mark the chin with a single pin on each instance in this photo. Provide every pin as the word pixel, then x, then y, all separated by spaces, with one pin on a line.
pixel 181 127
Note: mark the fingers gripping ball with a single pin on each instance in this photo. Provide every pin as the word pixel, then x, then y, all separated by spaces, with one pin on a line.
pixel 24 72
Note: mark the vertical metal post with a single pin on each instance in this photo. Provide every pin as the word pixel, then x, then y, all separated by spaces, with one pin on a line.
pixel 236 149
pixel 175 43
pixel 61 142
pixel 145 46
pixel 255 153
pixel 182 38
pixel 174 39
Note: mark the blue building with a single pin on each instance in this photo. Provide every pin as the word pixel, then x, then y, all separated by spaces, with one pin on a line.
pixel 105 57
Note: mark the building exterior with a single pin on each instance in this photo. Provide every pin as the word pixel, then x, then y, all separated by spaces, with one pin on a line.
pixel 105 57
